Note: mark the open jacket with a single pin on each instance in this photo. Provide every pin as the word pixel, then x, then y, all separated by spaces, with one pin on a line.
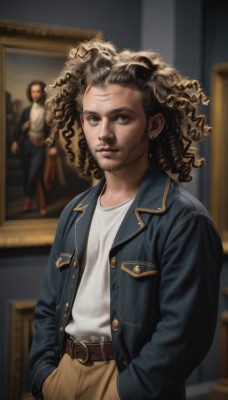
pixel 18 134
pixel 165 266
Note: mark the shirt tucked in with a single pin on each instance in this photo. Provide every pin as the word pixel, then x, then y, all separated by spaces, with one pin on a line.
pixel 91 309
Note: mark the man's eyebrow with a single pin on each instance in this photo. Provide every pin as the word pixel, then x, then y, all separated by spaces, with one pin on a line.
pixel 84 112
pixel 114 111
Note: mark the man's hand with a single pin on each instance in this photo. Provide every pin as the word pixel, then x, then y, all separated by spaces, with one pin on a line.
pixel 15 147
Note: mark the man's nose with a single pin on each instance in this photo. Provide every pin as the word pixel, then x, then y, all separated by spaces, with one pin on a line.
pixel 106 131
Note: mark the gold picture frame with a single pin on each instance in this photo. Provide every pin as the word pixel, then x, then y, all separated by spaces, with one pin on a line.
pixel 21 332
pixel 49 47
pixel 219 151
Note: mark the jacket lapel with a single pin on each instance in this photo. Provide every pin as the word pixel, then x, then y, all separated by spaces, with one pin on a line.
pixel 151 199
pixel 85 210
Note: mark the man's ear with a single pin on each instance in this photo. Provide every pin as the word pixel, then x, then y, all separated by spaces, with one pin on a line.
pixel 155 125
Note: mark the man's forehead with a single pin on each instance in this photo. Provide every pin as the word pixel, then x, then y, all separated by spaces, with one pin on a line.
pixel 36 86
pixel 112 92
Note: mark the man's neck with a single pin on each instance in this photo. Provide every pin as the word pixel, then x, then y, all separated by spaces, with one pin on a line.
pixel 121 186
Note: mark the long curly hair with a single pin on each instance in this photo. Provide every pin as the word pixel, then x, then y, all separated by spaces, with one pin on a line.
pixel 164 90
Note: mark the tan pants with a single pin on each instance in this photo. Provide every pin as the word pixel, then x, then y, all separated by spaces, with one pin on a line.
pixel 75 381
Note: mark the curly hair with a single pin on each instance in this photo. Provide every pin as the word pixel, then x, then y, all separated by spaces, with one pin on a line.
pixel 163 89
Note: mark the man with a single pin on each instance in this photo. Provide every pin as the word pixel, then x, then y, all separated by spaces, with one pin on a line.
pixel 29 140
pixel 128 307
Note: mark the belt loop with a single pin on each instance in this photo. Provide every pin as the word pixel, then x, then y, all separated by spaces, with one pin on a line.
pixel 102 344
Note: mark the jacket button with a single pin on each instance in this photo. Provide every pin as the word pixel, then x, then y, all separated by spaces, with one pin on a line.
pixel 61 330
pixel 75 264
pixel 113 262
pixel 115 324
pixel 137 270
pixel 58 262
pixel 66 307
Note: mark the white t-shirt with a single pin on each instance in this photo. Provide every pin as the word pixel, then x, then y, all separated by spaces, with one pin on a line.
pixel 91 308
pixel 37 120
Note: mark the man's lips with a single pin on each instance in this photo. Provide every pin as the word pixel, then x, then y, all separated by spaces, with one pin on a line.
pixel 106 150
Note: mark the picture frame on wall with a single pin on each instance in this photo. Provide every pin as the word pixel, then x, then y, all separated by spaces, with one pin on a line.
pixel 219 145
pixel 32 52
pixel 21 334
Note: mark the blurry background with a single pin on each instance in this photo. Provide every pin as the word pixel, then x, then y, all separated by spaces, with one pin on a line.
pixel 191 35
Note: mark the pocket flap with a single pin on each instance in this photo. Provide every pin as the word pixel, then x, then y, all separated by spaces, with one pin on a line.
pixel 63 259
pixel 139 269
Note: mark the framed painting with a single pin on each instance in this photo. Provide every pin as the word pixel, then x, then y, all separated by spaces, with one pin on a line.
pixel 21 333
pixel 219 160
pixel 27 53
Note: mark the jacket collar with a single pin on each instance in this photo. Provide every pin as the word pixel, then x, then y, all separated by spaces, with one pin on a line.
pixel 152 195
pixel 151 199
pixel 153 192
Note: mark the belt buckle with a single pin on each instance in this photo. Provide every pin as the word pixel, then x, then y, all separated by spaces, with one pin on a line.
pixel 83 360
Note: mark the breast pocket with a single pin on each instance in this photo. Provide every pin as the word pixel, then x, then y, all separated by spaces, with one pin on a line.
pixel 138 292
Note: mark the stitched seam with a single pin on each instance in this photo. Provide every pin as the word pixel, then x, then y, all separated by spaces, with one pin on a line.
pixel 140 262
pixel 183 220
pixel 75 230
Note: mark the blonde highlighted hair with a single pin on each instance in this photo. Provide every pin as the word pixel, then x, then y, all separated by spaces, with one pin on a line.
pixel 163 90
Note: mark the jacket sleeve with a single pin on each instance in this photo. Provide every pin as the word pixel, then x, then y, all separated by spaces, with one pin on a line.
pixel 191 263
pixel 18 132
pixel 44 356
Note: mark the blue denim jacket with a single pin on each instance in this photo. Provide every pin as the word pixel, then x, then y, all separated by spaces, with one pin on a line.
pixel 165 266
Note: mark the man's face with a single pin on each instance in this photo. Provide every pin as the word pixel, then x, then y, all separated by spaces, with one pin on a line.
pixel 36 93
pixel 115 127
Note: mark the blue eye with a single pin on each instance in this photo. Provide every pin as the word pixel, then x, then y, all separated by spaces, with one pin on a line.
pixel 93 119
pixel 122 118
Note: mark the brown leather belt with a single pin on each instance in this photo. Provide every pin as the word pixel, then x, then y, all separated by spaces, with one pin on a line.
pixel 89 352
